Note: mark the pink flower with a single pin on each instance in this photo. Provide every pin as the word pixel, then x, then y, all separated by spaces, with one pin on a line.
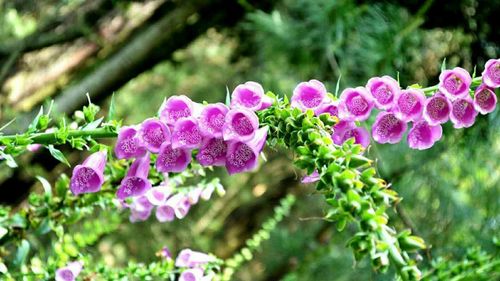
pixel 437 109
pixel 136 182
pixel 491 73
pixel 388 128
pixel 463 114
pixel 154 133
pixel 251 96
pixel 89 176
pixel 129 144
pixel 485 100
pixel 186 133
pixel 409 105
pixel 455 83
pixel 309 95
pixel 423 136
pixel 383 89
pixel 175 108
pixel 172 160
pixel 212 152
pixel 241 125
pixel 190 258
pixel 69 272
pixel 243 156
pixel 355 104
pixel 212 120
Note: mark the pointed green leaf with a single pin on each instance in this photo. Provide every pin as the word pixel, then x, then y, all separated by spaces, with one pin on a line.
pixel 443 65
pixel 46 186
pixel 56 153
pixel 92 125
pixel 112 109
pixel 21 253
pixel 8 123
pixel 338 85
pixel 228 97
pixel 9 160
pixel 32 126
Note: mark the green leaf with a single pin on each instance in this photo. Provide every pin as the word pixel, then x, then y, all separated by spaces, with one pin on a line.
pixel 56 153
pixel 228 97
pixel 338 85
pixel 21 253
pixel 46 186
pixel 93 125
pixel 112 109
pixel 443 65
pixel 32 126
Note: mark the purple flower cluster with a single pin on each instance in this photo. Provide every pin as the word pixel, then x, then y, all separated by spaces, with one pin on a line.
pixel 452 101
pixel 215 134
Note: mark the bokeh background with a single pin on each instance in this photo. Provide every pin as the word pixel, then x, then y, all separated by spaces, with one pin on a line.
pixel 144 51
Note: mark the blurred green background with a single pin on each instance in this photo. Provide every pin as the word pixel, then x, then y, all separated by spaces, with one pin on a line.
pixel 451 192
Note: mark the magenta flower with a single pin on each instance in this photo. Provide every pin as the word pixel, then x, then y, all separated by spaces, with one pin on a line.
pixel 89 176
pixel 243 156
pixel 339 130
pixel 140 209
pixel 383 89
pixel 455 83
pixel 129 144
pixel 165 253
pixel 361 136
pixel 69 272
pixel 175 108
pixel 388 128
pixel 463 114
pixel 250 95
pixel 309 95
pixel 154 133
pixel 485 100
pixel 192 274
pixel 212 120
pixel 423 136
pixel 356 104
pixel 314 177
pixel 158 194
pixel 165 213
pixel 491 73
pixel 331 108
pixel 180 204
pixel 190 258
pixel 437 109
pixel 212 152
pixel 409 105
pixel 136 181
pixel 172 160
pixel 240 125
pixel 186 133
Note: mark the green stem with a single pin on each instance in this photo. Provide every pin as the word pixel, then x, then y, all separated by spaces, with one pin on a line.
pixel 429 91
pixel 51 138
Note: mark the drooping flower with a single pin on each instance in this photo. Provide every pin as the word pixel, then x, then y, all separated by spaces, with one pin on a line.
pixel 190 258
pixel 463 114
pixel 243 156
pixel 491 73
pixel 361 136
pixel 339 129
pixel 240 125
pixel 89 176
pixel 331 108
pixel 158 194
pixel 140 209
pixel 186 133
pixel 314 177
pixel 212 120
pixel 485 99
pixel 409 105
pixel 165 213
pixel 175 108
pixel 129 144
pixel 172 160
pixel 212 152
pixel 423 136
pixel 154 133
pixel 383 89
pixel 388 128
pixel 136 181
pixel 206 193
pixel 309 95
pixel 454 83
pixel 192 274
pixel 194 195
pixel 250 95
pixel 437 109
pixel 69 272
pixel 356 104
